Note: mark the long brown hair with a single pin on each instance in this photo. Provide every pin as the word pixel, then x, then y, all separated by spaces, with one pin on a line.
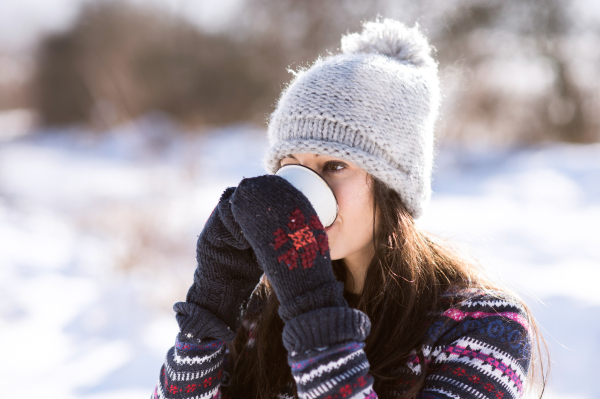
pixel 403 286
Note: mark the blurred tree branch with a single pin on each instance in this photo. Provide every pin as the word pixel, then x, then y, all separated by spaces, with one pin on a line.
pixel 511 69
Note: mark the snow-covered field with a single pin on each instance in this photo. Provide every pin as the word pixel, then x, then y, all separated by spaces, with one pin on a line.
pixel 98 232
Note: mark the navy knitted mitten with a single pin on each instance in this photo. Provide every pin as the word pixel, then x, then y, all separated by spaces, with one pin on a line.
pixel 292 248
pixel 226 275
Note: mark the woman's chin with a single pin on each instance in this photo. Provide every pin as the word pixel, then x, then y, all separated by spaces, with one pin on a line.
pixel 334 254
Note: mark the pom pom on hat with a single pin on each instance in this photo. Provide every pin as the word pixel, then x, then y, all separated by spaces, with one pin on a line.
pixel 392 38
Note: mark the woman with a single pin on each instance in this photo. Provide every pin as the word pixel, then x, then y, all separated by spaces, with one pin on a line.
pixel 371 306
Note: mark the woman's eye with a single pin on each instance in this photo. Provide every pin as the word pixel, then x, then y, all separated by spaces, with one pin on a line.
pixel 334 167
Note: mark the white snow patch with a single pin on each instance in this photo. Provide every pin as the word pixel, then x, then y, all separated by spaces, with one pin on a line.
pixel 98 233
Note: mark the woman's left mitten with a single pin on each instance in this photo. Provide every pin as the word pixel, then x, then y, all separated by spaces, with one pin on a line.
pixel 291 246
pixel 226 275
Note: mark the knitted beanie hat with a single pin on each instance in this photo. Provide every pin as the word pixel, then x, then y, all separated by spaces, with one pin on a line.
pixel 374 105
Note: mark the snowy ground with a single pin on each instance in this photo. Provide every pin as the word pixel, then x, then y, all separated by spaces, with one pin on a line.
pixel 97 240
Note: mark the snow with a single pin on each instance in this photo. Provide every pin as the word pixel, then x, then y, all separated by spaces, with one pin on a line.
pixel 98 231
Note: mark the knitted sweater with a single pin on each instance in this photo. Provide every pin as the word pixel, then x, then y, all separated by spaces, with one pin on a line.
pixel 477 347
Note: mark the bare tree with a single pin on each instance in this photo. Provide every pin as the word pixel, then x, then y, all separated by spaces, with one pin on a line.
pixel 482 36
pixel 510 70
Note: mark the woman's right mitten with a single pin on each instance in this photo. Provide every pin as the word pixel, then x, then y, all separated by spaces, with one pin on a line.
pixel 226 275
pixel 293 249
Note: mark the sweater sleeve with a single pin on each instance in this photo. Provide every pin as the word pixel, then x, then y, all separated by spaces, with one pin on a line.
pixel 326 354
pixel 199 369
pixel 191 370
pixel 337 371
pixel 480 349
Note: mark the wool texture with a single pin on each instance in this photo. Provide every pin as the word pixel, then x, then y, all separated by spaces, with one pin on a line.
pixel 224 279
pixel 375 105
pixel 477 347
pixel 292 248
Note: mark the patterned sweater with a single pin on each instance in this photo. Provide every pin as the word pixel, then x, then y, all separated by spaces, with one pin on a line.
pixel 477 347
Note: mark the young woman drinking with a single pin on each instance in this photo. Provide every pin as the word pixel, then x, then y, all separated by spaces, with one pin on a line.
pixel 371 306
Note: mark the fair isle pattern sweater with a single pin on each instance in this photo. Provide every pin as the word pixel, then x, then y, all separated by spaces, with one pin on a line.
pixel 477 347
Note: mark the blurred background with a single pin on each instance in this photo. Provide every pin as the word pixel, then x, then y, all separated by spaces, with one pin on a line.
pixel 121 123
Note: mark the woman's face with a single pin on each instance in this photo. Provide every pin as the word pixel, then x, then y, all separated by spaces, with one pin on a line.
pixel 351 235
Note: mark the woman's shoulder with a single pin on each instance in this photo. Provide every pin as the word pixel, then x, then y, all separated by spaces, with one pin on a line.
pixel 480 300
pixel 479 341
pixel 481 318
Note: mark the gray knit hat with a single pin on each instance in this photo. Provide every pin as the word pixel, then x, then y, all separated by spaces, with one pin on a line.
pixel 374 105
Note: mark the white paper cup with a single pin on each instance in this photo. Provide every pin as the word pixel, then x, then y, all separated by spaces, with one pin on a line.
pixel 315 188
